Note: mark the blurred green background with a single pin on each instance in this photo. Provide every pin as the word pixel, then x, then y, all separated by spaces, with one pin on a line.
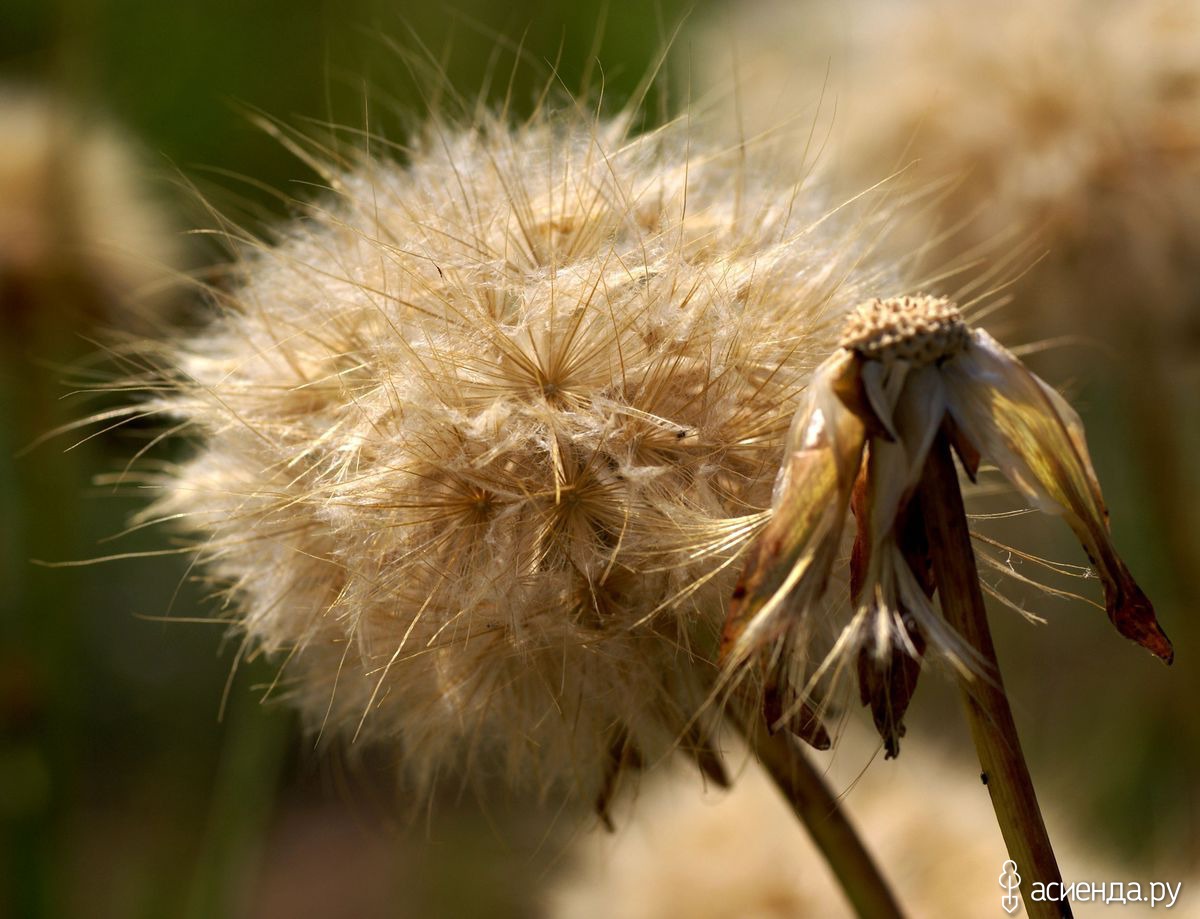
pixel 122 791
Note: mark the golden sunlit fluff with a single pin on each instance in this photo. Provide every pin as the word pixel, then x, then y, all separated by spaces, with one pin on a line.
pixel 681 850
pixel 79 232
pixel 478 437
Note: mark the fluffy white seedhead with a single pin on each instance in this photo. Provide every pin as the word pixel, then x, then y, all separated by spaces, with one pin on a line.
pixel 479 437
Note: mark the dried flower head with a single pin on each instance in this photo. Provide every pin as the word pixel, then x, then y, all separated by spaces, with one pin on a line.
pixel 919 330
pixel 78 229
pixel 479 436
pixel 908 368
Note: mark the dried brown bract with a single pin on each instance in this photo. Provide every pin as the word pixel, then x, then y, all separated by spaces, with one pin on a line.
pixel 907 369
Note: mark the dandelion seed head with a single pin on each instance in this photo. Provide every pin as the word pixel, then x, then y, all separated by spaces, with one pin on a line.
pixel 921 330
pixel 480 436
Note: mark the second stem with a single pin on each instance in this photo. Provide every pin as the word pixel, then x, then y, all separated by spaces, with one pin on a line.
pixel 992 727
pixel 819 809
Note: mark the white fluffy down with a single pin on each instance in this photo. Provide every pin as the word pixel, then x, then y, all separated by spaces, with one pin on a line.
pixel 477 437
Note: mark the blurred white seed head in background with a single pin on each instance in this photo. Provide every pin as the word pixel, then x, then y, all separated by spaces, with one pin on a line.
pixel 681 850
pixel 1075 120
pixel 81 232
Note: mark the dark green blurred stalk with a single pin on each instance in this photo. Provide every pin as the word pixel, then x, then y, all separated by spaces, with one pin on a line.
pixel 254 744
pixel 40 710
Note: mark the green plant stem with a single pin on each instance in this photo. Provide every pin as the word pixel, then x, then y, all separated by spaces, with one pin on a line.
pixel 817 807
pixel 992 726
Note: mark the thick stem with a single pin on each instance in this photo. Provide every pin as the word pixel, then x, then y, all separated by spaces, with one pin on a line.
pixel 988 711
pixel 818 808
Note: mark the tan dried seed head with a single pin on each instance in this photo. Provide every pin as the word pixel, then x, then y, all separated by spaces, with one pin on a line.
pixel 477 439
pixel 919 329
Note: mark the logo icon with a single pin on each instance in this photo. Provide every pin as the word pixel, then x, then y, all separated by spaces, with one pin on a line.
pixel 1010 881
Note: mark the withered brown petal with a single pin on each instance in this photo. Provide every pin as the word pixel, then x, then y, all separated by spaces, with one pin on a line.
pixel 797 717
pixel 887 685
pixel 860 551
pixel 788 564
pixel 963 448
pixel 707 757
pixel 852 393
pixel 1037 441
pixel 622 756
pixel 913 542
pixel 889 688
